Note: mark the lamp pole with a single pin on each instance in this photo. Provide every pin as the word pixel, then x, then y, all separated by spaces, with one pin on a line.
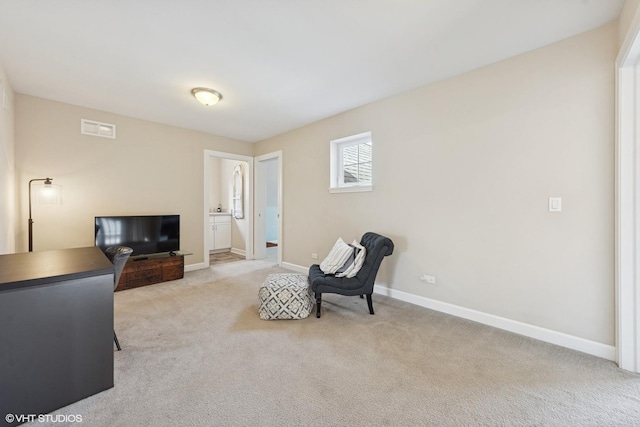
pixel 47 181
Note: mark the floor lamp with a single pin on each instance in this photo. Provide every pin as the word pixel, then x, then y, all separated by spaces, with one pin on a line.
pixel 48 193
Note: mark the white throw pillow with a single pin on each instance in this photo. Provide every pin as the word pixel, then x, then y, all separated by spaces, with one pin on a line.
pixel 352 270
pixel 348 263
pixel 337 257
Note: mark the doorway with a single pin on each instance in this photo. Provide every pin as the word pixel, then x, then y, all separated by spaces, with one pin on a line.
pixel 219 192
pixel 268 216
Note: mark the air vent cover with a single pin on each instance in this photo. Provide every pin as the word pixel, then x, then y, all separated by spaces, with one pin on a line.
pixel 91 127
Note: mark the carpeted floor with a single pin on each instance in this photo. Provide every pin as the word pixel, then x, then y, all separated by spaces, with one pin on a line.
pixel 195 353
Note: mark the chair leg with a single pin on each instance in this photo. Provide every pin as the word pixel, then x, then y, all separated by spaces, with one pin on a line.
pixel 318 304
pixel 370 303
pixel 115 340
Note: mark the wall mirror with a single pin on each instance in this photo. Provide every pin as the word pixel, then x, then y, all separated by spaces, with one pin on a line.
pixel 238 192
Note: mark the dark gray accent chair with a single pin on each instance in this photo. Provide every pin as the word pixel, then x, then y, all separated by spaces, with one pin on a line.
pixel 377 247
pixel 118 255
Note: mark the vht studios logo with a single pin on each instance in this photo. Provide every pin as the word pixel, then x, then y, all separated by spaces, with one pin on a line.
pixel 42 418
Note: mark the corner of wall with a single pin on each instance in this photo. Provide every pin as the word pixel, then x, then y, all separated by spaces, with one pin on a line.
pixel 7 166
pixel 629 10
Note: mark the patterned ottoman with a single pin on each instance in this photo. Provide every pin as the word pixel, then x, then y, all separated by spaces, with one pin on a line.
pixel 285 296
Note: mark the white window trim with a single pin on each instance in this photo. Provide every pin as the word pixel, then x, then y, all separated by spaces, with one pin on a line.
pixel 351 189
pixel 335 186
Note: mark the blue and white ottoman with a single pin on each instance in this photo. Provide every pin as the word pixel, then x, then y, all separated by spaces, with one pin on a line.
pixel 285 296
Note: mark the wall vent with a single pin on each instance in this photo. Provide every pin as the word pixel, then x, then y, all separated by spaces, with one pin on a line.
pixel 91 127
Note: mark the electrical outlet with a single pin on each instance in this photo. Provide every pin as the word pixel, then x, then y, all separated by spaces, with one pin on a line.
pixel 314 256
pixel 428 279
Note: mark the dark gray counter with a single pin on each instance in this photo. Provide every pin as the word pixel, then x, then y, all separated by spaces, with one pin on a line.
pixel 56 329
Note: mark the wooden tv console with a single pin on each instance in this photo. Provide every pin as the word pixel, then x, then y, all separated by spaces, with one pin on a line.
pixel 153 269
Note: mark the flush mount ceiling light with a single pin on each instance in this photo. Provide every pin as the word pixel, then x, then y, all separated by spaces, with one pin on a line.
pixel 206 96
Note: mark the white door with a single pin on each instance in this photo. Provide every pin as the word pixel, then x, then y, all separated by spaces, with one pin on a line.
pixel 268 197
pixel 222 235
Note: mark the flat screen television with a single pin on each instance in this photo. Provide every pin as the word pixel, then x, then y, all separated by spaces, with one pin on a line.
pixel 145 234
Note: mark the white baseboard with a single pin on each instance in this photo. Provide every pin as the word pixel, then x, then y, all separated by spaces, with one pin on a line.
pixel 201 265
pixel 296 268
pixel 547 335
pixel 194 267
pixel 237 251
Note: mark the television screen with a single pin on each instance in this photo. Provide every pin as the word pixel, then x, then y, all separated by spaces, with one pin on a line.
pixel 146 235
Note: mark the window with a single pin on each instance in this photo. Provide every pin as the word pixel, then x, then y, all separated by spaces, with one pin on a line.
pixel 351 163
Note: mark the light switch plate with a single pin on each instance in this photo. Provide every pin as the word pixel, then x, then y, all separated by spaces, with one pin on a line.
pixel 555 204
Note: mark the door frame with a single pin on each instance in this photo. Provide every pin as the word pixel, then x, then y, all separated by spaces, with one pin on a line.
pixel 248 211
pixel 261 200
pixel 627 209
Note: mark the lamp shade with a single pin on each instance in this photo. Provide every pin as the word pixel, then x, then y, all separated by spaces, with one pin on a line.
pixel 48 194
pixel 206 96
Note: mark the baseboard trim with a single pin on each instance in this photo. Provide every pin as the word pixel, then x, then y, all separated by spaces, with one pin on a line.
pixel 240 252
pixel 294 267
pixel 547 335
pixel 194 267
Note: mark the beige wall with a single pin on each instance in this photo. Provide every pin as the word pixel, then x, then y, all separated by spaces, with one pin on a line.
pixel 7 167
pixel 215 197
pixel 627 13
pixel 149 169
pixel 462 174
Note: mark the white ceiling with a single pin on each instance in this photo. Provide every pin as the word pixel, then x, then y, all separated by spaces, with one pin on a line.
pixel 279 64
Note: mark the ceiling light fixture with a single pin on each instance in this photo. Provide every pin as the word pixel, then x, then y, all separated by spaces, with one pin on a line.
pixel 206 96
